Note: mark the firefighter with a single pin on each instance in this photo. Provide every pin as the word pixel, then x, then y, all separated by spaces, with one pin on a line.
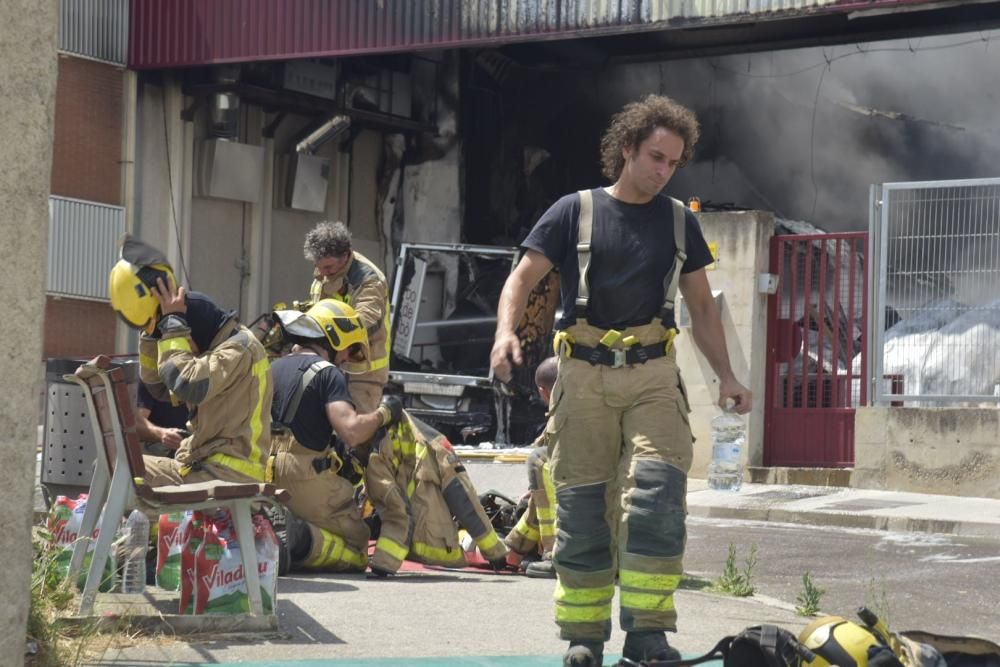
pixel 535 530
pixel 346 275
pixel 619 437
pixel 160 425
pixel 422 485
pixel 318 421
pixel 196 353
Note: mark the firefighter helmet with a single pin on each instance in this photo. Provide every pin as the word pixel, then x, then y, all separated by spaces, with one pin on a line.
pixel 334 322
pixel 837 641
pixel 130 281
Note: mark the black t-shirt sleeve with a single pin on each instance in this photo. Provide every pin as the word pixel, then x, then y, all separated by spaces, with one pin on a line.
pixel 145 400
pixel 552 234
pixel 331 385
pixel 698 254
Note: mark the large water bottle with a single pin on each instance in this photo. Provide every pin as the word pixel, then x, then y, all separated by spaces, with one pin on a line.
pixel 136 545
pixel 725 472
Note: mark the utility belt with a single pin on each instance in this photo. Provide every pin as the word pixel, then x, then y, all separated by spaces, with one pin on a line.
pixel 606 353
pixel 252 470
pixel 345 466
pixel 336 457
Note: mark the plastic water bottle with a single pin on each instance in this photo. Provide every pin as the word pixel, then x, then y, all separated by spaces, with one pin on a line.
pixel 725 472
pixel 136 545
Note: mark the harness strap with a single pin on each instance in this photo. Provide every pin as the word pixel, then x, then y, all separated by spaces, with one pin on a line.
pixel 673 276
pixel 585 227
pixel 307 376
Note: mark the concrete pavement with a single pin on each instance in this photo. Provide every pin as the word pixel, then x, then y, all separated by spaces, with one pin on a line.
pixel 849 508
pixel 448 616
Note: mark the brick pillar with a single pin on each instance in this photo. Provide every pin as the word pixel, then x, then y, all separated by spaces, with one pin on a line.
pixel 28 70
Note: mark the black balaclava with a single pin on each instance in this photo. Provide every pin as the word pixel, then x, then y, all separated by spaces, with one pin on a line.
pixel 205 319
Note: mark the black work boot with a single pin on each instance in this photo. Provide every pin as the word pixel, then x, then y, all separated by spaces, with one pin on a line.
pixel 648 645
pixel 584 654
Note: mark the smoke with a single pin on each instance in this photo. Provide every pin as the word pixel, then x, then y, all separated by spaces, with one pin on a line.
pixel 805 132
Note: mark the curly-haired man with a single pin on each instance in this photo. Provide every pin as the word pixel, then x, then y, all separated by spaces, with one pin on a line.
pixel 618 426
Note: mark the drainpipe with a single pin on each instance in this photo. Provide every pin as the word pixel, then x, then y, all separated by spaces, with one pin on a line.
pixel 129 197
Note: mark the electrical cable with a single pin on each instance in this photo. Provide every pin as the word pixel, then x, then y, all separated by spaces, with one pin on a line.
pixel 170 186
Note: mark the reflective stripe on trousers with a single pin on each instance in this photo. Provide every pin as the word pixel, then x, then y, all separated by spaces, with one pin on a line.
pixel 621 449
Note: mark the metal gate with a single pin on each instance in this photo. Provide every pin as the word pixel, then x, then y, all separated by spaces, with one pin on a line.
pixel 816 349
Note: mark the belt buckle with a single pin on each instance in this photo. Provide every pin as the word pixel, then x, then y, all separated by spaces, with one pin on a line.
pixel 619 358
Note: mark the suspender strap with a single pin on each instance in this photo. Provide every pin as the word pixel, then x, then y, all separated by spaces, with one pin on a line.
pixel 585 229
pixel 585 232
pixel 307 376
pixel 673 276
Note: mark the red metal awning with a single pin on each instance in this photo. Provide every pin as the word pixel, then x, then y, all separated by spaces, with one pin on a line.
pixel 185 33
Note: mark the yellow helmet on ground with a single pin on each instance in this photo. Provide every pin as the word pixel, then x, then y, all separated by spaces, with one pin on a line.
pixel 131 279
pixel 336 323
pixel 837 641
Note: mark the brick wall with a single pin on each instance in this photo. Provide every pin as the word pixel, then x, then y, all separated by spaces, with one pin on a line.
pixel 86 164
pixel 77 328
pixel 86 157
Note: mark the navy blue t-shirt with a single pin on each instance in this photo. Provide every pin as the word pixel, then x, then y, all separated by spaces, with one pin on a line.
pixel 632 248
pixel 310 425
pixel 162 413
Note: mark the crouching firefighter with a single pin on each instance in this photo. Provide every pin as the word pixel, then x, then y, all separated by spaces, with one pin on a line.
pixel 535 531
pixel 418 484
pixel 319 430
pixel 619 439
pixel 193 352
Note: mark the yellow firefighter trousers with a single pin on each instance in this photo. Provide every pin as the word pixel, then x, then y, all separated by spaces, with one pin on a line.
pixel 325 501
pixel 420 486
pixel 535 530
pixel 621 448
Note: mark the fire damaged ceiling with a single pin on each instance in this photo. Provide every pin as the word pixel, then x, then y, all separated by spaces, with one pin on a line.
pixel 693 36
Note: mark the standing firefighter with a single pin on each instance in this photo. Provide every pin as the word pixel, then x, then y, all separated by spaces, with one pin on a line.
pixel 346 275
pixel 196 353
pixel 535 530
pixel 618 428
pixel 312 403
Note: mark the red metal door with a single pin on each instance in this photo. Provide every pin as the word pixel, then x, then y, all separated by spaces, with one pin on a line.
pixel 816 349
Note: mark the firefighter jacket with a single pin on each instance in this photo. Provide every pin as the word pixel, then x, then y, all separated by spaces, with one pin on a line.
pixel 363 286
pixel 419 487
pixel 228 389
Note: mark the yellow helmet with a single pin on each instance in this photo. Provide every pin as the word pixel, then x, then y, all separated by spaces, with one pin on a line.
pixel 335 322
pixel 837 641
pixel 130 282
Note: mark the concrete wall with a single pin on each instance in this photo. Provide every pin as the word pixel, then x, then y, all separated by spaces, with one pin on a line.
pixel 28 71
pixel 742 240
pixel 953 451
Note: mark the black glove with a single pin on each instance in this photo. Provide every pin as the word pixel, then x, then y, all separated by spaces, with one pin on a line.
pixel 390 411
pixel 172 323
pixel 500 564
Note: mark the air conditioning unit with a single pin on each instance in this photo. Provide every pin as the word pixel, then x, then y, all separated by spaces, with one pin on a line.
pixel 301 182
pixel 228 170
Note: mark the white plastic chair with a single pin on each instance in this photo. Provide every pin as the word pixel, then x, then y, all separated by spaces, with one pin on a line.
pixel 118 485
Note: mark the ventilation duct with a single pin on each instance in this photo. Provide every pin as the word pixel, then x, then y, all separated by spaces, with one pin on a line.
pixel 224 116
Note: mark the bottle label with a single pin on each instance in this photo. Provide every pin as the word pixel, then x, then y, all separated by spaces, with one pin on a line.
pixel 726 453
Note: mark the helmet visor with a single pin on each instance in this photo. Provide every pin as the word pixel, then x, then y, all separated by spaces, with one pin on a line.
pixel 296 323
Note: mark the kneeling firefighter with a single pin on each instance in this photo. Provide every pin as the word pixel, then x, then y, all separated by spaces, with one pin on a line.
pixel 318 428
pixel 417 483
